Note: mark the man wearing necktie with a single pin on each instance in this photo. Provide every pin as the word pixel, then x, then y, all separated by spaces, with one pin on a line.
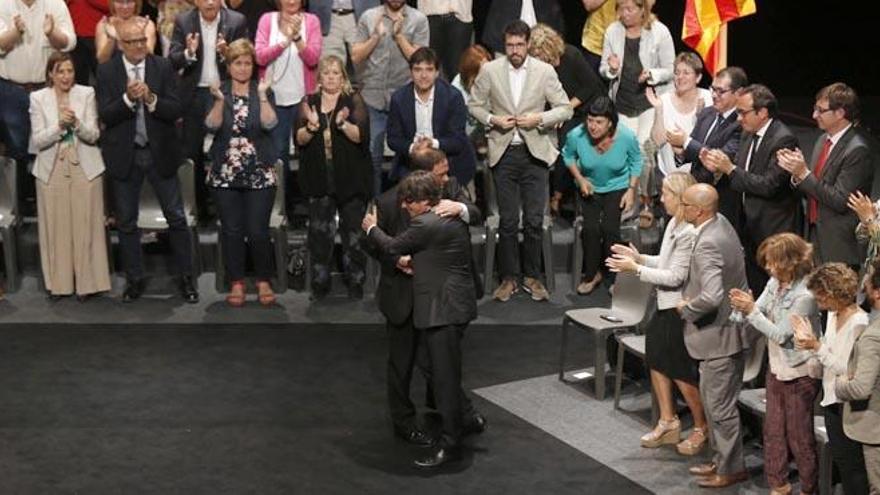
pixel 138 105
pixel 841 165
pixel 716 128
pixel 766 204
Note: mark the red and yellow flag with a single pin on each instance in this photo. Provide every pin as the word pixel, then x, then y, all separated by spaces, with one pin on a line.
pixel 703 23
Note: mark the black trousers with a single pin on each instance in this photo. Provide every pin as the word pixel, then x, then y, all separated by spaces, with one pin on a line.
pixel 322 231
pixel 244 214
pixel 449 38
pixel 521 181
pixel 601 230
pixel 404 355
pixel 85 62
pixel 126 197
pixel 847 453
pixel 444 352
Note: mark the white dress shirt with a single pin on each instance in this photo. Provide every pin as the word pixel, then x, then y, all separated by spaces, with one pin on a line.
pixel 424 119
pixel 26 61
pixel 210 72
pixel 759 136
pixel 527 14
pixel 517 78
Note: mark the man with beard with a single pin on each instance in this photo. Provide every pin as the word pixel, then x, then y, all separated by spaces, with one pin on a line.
pixel 395 297
pixel 509 97
pixel 444 298
pixel 386 38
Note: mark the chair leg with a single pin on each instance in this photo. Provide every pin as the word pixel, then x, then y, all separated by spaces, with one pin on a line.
pixel 618 375
pixel 577 256
pixel 489 269
pixel 549 275
pixel 562 347
pixel 599 364
pixel 196 253
pixel 10 258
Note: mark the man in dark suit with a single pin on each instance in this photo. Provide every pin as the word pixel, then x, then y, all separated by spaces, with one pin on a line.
pixel 198 51
pixel 138 105
pixel 716 128
pixel 429 112
pixel 767 204
pixel 444 296
pixel 395 297
pixel 841 165
pixel 502 12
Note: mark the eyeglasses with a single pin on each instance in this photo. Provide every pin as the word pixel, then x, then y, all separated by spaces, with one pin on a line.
pixel 135 41
pixel 743 113
pixel 820 110
pixel 720 91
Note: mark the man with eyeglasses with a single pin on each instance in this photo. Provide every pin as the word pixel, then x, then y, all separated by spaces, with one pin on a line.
pixel 766 203
pixel 138 105
pixel 717 127
pixel 841 165
pixel 29 31
pixel 510 97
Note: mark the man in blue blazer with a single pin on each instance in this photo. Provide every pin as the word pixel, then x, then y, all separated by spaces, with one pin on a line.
pixel 429 112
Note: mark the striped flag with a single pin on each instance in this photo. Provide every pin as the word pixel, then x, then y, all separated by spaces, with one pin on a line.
pixel 704 21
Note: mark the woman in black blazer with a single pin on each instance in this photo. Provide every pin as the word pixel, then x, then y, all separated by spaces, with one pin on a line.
pixel 242 174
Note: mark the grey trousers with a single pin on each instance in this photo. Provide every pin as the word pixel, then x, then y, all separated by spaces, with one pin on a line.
pixel 872 464
pixel 720 383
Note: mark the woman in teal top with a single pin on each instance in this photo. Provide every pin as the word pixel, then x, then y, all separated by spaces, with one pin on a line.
pixel 605 161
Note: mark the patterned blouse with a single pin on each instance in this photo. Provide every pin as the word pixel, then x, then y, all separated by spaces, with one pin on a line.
pixel 241 169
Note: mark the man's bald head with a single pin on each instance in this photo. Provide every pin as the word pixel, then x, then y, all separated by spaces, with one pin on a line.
pixel 133 39
pixel 702 195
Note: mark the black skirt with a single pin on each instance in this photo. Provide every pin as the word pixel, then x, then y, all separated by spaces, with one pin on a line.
pixel 664 347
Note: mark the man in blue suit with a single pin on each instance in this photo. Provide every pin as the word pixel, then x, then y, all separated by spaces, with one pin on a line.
pixel 429 112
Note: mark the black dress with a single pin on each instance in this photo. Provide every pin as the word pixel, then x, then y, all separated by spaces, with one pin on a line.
pixel 664 347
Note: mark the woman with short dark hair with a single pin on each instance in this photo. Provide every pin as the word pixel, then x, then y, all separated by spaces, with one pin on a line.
pixel 605 161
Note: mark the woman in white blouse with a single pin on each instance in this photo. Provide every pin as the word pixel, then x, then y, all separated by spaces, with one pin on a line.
pixel 834 286
pixel 666 354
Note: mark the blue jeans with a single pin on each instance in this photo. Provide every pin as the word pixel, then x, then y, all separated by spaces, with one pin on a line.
pixel 378 121
pixel 15 123
pixel 245 213
pixel 126 197
pixel 287 116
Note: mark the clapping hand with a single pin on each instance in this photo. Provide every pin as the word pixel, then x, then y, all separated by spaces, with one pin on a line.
pixel 342 116
pixel 19 24
pixel 792 161
pixel 623 258
pixel 222 46
pixel 370 220
pixel 652 97
pixel 380 29
pixel 717 161
pixel 312 120
pixel 804 338
pixel 265 84
pixel 644 76
pixel 134 90
pixel 614 63
pixel 742 301
pixel 216 93
pixel 67 118
pixel 862 206
pixel 676 137
pixel 48 24
pixel 192 44
pixel 110 27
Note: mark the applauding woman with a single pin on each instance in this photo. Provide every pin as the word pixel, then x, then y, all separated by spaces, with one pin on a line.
pixel 70 189
pixel 242 175
pixel 666 354
pixel 792 383
pixel 335 174
pixel 105 32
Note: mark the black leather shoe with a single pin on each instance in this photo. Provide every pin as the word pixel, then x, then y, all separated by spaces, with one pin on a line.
pixel 475 425
pixel 134 289
pixel 443 455
pixel 415 436
pixel 188 289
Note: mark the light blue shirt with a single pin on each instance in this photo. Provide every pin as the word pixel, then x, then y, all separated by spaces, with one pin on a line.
pixel 609 171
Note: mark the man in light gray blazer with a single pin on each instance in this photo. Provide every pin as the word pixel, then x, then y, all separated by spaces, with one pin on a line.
pixel 861 389
pixel 717 265
pixel 509 97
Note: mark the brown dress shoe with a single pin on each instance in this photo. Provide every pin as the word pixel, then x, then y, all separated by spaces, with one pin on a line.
pixel 537 290
pixel 505 290
pixel 708 469
pixel 723 480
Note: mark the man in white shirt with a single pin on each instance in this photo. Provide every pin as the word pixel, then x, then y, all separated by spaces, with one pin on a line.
pixel 510 96
pixel 29 31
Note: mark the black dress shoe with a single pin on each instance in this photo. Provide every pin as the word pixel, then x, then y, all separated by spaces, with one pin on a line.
pixel 415 436
pixel 443 455
pixel 134 289
pixel 188 289
pixel 476 425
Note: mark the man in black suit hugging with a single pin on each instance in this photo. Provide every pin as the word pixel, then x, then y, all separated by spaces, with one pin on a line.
pixel 444 295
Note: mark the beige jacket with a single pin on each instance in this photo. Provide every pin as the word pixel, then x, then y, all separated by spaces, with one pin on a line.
pixel 861 413
pixel 491 96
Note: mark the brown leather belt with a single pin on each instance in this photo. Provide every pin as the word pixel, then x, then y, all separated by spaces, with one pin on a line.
pixel 343 11
pixel 29 87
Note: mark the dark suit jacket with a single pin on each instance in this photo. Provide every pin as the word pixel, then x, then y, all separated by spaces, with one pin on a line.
pixel 233 26
pixel 324 8
pixel 770 205
pixel 847 169
pixel 443 283
pixel 502 12
pixel 447 122
pixel 117 138
pixel 726 137
pixel 395 290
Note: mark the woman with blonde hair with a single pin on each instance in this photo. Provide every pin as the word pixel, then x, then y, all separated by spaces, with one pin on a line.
pixel 105 32
pixel 70 184
pixel 793 381
pixel 336 174
pixel 666 354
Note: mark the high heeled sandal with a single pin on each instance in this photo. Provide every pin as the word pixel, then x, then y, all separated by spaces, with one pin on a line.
pixel 689 446
pixel 236 295
pixel 781 490
pixel 265 294
pixel 665 433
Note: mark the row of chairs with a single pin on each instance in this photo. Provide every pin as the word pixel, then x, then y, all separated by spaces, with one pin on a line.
pixel 629 310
